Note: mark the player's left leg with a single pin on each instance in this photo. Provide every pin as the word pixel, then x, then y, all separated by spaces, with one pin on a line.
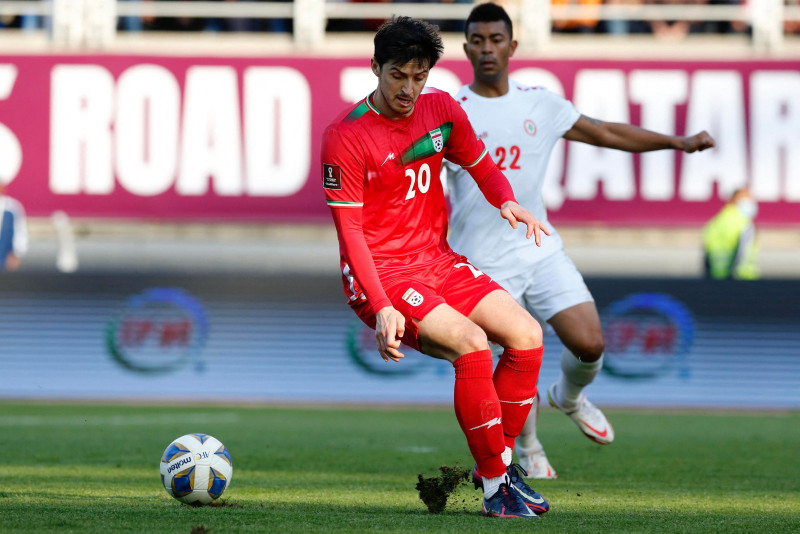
pixel 555 291
pixel 579 329
pixel 516 375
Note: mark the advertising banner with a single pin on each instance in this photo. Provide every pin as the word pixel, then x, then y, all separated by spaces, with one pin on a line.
pixel 202 138
pixel 669 343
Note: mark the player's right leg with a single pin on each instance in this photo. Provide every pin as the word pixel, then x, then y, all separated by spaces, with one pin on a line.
pixel 579 329
pixel 447 334
pixel 530 450
pixel 554 291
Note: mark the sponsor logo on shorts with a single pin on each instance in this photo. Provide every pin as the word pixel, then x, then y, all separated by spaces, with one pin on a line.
pixel 413 297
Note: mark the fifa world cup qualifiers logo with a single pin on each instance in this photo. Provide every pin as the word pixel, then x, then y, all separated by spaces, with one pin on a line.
pixel 159 330
pixel 647 335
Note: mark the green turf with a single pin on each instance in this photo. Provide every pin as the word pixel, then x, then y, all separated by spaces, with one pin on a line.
pixel 91 468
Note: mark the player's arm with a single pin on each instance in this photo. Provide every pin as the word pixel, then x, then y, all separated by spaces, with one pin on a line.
pixel 495 187
pixel 343 172
pixel 390 323
pixel 467 147
pixel 632 138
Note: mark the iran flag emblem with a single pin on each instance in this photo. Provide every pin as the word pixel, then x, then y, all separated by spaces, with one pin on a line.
pixel 412 297
pixel 438 139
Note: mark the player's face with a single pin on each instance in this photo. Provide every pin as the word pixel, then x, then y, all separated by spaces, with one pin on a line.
pixel 488 48
pixel 399 86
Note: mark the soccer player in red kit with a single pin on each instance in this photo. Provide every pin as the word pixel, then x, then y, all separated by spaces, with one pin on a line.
pixel 380 172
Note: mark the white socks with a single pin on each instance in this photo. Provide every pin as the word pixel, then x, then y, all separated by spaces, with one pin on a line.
pixel 490 485
pixel 526 441
pixel 575 376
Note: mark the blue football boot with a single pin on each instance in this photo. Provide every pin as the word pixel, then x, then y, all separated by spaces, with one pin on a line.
pixel 506 503
pixel 529 496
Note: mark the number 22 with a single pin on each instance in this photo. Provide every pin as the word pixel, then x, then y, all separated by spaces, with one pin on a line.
pixel 514 152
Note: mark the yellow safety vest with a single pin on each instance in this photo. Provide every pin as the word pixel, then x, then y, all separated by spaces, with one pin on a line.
pixel 730 245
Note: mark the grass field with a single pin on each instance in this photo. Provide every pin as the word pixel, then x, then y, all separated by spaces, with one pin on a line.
pixel 92 468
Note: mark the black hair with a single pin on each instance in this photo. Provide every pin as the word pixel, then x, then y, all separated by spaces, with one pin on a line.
pixel 405 39
pixel 488 12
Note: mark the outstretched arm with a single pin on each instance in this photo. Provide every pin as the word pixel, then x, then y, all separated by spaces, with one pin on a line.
pixel 632 138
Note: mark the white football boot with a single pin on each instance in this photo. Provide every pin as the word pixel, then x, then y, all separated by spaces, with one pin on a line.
pixel 587 416
pixel 534 462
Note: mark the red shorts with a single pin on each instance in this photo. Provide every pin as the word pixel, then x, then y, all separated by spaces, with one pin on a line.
pixel 453 281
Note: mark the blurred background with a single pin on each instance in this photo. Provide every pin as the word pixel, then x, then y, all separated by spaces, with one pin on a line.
pixel 165 154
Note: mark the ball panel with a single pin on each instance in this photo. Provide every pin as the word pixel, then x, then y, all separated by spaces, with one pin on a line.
pixel 174 450
pixel 217 482
pixel 223 453
pixel 183 483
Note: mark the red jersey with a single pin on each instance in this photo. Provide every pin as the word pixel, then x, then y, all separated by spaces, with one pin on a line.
pixel 389 169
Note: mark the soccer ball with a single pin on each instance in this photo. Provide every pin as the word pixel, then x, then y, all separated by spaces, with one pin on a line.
pixel 196 468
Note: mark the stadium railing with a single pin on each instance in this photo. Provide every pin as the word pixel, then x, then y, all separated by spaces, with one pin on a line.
pixel 94 22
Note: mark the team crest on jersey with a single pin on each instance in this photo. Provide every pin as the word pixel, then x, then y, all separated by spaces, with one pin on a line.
pixel 438 139
pixel 413 297
pixel 530 127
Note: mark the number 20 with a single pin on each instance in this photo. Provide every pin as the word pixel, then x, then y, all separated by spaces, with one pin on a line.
pixel 422 179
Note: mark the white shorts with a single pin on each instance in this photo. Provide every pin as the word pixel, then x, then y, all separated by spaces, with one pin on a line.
pixel 550 286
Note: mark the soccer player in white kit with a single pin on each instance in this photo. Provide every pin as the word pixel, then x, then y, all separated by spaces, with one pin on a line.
pixel 519 126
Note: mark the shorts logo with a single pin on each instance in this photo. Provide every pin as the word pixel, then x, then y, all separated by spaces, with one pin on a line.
pixel 331 176
pixel 412 297
pixel 438 139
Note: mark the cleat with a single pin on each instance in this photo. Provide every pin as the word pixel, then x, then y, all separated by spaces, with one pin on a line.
pixel 506 503
pixel 536 465
pixel 532 499
pixel 588 417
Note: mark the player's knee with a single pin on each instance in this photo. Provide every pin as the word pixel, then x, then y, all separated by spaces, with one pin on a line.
pixel 590 347
pixel 474 340
pixel 527 335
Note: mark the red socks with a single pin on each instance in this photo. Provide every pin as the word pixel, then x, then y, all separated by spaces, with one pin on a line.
pixel 478 411
pixel 515 382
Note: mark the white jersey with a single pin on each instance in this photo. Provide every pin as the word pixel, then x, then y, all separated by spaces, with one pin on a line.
pixel 519 130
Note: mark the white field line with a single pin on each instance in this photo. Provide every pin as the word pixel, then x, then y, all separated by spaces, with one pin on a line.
pixel 118 420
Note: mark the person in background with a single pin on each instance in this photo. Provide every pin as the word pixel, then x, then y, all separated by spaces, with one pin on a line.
pixel 520 125
pixel 729 240
pixel 624 27
pixel 584 25
pixel 13 231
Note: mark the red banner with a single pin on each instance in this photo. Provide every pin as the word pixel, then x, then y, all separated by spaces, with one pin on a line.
pixel 200 138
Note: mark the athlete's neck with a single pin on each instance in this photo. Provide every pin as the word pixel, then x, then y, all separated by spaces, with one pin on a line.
pixel 490 89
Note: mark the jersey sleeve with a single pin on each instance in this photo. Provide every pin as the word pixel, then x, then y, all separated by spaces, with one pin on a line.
pixel 464 148
pixel 358 256
pixel 342 170
pixel 563 114
pixel 343 182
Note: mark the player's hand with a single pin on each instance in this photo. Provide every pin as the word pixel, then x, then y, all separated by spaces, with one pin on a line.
pixel 698 142
pixel 514 213
pixel 390 325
